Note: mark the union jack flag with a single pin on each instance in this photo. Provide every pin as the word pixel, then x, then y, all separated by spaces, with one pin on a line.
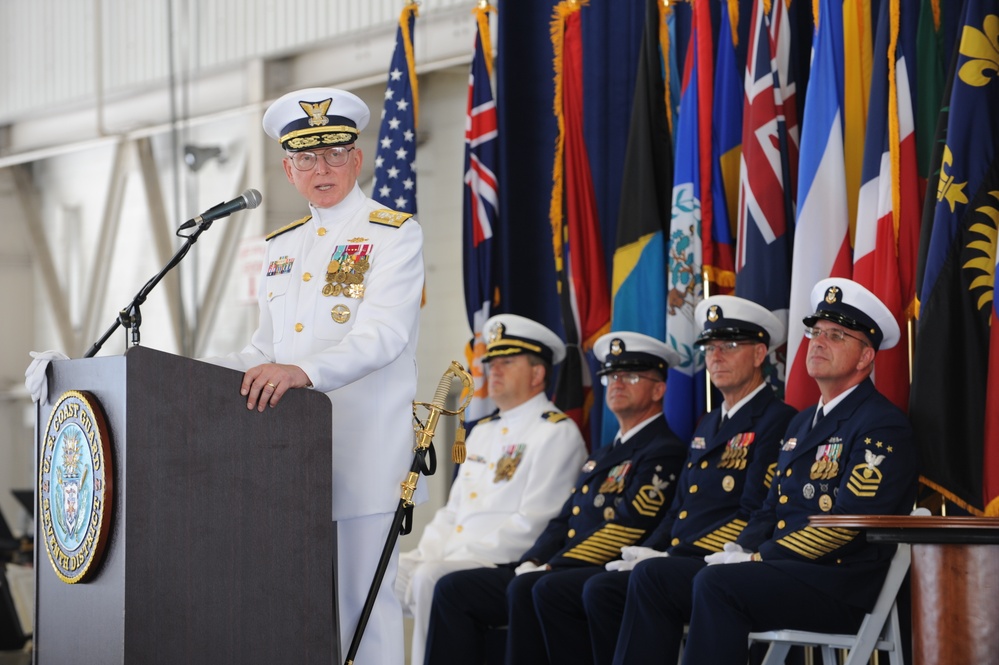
pixel 395 175
pixel 481 209
pixel 769 160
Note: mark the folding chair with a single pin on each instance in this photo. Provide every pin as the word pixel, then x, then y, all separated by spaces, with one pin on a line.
pixel 879 630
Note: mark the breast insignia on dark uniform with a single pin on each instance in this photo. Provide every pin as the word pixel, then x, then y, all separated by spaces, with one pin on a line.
pixel 650 498
pixel 288 227
pixel 866 477
pixel 387 217
pixel 554 416
pixel 771 471
pixel 614 482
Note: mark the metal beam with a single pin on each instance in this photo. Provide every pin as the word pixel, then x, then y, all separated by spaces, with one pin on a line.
pixel 27 196
pixel 107 236
pixel 220 272
pixel 162 240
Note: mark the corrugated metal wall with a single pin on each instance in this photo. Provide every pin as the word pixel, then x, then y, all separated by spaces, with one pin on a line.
pixel 57 52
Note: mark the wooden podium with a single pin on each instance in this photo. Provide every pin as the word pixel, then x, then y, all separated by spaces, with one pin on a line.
pixel 955 581
pixel 221 544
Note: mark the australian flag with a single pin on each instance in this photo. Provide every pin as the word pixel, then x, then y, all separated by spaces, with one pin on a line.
pixel 395 160
pixel 481 212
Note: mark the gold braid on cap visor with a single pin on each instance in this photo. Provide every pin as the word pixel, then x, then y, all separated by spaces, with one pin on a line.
pixel 313 136
pixel 507 347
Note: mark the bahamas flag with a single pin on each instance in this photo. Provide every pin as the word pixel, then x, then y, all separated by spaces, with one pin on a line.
pixel 638 282
pixel 954 404
pixel 691 207
pixel 639 273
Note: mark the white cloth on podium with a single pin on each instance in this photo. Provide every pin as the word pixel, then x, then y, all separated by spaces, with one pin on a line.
pixel 35 377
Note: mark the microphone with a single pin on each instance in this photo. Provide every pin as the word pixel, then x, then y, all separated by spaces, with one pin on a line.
pixel 247 200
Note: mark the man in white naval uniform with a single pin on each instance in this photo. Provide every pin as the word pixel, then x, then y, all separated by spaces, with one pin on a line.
pixel 339 313
pixel 520 465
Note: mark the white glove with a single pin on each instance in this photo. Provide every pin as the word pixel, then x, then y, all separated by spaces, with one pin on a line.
pixel 35 379
pixel 731 553
pixel 638 553
pixel 527 567
pixel 631 555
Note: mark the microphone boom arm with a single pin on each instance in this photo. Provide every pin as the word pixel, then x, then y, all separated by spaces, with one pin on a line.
pixel 129 316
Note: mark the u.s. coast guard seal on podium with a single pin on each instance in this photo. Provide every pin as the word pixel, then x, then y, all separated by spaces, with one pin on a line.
pixel 75 486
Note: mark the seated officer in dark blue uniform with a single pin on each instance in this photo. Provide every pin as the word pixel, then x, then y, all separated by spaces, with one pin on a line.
pixel 619 497
pixel 851 454
pixel 728 470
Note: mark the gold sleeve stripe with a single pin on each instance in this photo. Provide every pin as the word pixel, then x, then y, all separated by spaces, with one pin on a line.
pixel 715 541
pixel 606 552
pixel 649 501
pixel 812 542
pixel 287 227
pixel 626 530
pixel 769 478
pixel 605 544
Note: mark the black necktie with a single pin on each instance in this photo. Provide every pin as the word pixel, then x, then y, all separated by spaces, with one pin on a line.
pixel 722 421
pixel 820 413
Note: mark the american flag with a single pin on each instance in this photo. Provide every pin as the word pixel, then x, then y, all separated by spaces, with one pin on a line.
pixel 481 211
pixel 395 160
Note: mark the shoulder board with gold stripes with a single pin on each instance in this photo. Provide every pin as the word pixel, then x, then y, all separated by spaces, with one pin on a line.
pixel 487 419
pixel 387 217
pixel 289 227
pixel 554 416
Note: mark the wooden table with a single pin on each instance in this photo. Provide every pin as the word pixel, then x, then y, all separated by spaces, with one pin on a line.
pixel 955 582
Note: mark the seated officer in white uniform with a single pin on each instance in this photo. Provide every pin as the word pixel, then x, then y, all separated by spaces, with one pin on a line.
pixel 520 465
pixel 618 498
pixel 851 454
pixel 728 471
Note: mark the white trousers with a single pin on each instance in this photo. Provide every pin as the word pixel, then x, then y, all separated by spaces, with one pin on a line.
pixel 359 546
pixel 414 586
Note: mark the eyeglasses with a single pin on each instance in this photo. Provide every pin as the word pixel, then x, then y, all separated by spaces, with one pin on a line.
pixel 306 161
pixel 724 348
pixel 834 335
pixel 629 377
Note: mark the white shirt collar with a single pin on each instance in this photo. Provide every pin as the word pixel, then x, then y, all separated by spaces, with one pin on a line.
pixel 634 430
pixel 742 402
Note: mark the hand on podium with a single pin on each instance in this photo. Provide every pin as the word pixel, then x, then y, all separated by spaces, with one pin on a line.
pixel 35 379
